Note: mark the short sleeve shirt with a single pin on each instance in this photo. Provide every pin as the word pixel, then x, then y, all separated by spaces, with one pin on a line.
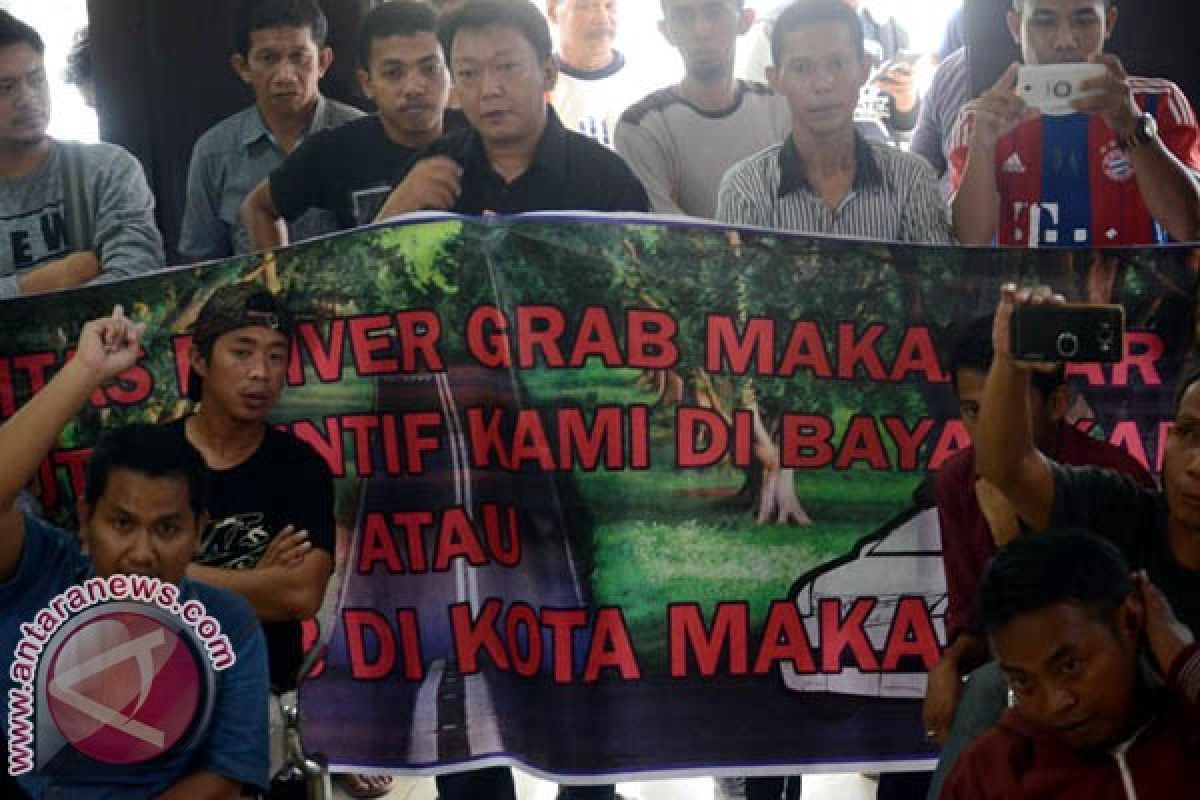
pixel 284 482
pixel 967 543
pixel 348 171
pixel 1135 520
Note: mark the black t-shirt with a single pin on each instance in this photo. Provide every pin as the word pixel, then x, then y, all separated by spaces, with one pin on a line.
pixel 284 482
pixel 349 170
pixel 1135 520
pixel 570 172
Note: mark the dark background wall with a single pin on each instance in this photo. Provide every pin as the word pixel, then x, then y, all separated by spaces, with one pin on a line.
pixel 1153 38
pixel 163 78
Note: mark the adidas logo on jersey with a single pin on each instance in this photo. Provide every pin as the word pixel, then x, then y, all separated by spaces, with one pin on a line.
pixel 1014 165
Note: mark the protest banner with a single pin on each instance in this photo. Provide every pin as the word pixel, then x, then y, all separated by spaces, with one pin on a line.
pixel 623 496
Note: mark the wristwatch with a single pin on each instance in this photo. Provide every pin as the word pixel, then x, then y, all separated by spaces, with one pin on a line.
pixel 1143 132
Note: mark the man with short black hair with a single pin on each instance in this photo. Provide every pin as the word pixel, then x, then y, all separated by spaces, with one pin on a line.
pixel 70 213
pixel 141 514
pixel 682 139
pixel 889 110
pixel 825 178
pixel 1122 171
pixel 351 170
pixel 280 53
pixel 1070 628
pixel 516 155
pixel 271 534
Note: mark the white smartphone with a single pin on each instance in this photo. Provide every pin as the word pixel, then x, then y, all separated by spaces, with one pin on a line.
pixel 1051 88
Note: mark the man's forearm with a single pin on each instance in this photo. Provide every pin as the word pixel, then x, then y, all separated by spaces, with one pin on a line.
pixel 976 205
pixel 33 431
pixel 262 219
pixel 968 651
pixel 1003 436
pixel 277 594
pixel 65 273
pixel 1170 191
pixel 203 786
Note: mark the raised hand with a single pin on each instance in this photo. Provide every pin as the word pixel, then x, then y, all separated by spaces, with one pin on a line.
pixel 998 111
pixel 110 345
pixel 1112 98
pixel 1010 297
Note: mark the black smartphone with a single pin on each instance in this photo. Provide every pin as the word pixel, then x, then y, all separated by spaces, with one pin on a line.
pixel 1073 332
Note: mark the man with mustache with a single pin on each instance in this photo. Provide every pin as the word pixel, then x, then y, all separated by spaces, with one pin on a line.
pixel 351 170
pixel 69 213
pixel 281 55
pixel 595 83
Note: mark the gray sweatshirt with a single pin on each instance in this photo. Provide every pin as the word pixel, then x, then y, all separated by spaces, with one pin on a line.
pixel 34 228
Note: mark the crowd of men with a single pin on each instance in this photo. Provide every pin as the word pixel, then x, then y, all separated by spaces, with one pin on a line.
pixel 478 112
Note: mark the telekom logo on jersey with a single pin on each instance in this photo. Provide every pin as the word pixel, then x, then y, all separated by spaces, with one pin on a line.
pixel 1041 221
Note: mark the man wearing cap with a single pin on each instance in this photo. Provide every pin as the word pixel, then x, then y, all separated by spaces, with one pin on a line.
pixel 271 536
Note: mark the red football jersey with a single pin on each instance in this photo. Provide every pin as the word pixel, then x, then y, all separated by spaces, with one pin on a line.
pixel 1065 181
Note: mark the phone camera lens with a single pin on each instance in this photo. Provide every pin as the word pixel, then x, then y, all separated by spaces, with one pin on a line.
pixel 1061 89
pixel 1068 344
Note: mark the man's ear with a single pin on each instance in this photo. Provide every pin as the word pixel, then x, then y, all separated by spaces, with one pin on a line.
pixel 552 11
pixel 240 67
pixel 197 361
pixel 83 511
pixel 324 60
pixel 1110 20
pixel 746 19
pixel 364 83
pixel 549 75
pixel 864 67
pixel 1059 402
pixel 1131 618
pixel 1014 26
pixel 772 73
pixel 665 31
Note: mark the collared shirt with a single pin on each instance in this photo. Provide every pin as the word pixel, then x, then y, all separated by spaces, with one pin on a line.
pixel 894 196
pixel 569 172
pixel 227 163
